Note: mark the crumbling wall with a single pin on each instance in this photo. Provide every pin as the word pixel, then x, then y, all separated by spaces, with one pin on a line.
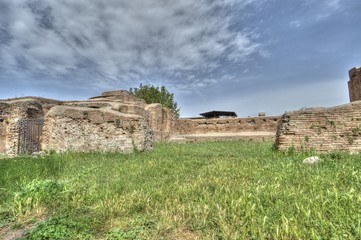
pixel 321 129
pixel 120 96
pixel 68 128
pixel 161 121
pixel 11 112
pixel 114 121
pixel 354 85
pixel 226 125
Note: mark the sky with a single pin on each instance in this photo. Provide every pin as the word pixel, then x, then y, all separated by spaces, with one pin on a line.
pixel 247 56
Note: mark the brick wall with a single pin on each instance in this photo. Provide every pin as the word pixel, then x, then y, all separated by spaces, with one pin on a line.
pixel 321 129
pixel 354 85
pixel 11 111
pixel 226 125
pixel 161 121
pixel 84 129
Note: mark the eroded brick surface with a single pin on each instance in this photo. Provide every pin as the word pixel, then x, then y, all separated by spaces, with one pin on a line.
pixel 321 129
pixel 114 121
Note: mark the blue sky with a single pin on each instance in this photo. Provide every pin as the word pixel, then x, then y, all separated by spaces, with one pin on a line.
pixel 246 56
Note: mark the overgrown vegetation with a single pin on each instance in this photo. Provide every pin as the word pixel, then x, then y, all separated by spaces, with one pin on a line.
pixel 152 94
pixel 233 190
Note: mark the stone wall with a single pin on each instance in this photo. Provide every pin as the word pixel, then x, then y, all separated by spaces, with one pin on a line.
pixel 11 111
pixel 321 129
pixel 225 129
pixel 117 121
pixel 86 129
pixel 354 85
pixel 161 121
pixel 226 125
pixel 114 121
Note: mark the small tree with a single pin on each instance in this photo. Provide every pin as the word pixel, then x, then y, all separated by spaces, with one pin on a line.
pixel 151 94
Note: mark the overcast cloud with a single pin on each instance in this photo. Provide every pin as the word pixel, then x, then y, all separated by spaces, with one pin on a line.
pixel 209 52
pixel 121 39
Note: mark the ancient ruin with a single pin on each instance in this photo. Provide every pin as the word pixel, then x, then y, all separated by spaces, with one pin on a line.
pixel 354 85
pixel 118 121
pixel 321 129
pixel 114 121
pixel 221 129
pixel 325 129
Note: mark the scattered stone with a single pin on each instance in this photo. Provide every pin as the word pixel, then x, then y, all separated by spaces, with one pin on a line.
pixel 311 160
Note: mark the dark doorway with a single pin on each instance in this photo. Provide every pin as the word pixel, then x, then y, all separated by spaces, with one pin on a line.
pixel 30 131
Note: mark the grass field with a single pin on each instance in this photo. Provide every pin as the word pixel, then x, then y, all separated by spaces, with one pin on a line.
pixel 227 190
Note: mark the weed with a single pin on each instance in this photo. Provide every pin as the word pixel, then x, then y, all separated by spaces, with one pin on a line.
pixel 356 131
pixel 221 190
pixel 59 228
pixel 131 129
pixel 119 234
pixel 36 194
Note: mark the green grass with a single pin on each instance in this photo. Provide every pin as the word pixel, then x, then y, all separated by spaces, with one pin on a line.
pixel 228 190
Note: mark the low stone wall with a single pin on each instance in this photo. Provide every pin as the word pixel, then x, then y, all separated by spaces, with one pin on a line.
pixel 223 129
pixel 223 125
pixel 212 137
pixel 321 129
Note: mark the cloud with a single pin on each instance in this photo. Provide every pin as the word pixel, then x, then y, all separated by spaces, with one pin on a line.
pixel 106 42
pixel 326 8
pixel 334 4
pixel 295 24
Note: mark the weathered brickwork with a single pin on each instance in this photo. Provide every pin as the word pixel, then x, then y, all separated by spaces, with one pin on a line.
pixel 161 121
pixel 221 129
pixel 11 111
pixel 114 121
pixel 189 126
pixel 86 129
pixel 321 129
pixel 354 85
